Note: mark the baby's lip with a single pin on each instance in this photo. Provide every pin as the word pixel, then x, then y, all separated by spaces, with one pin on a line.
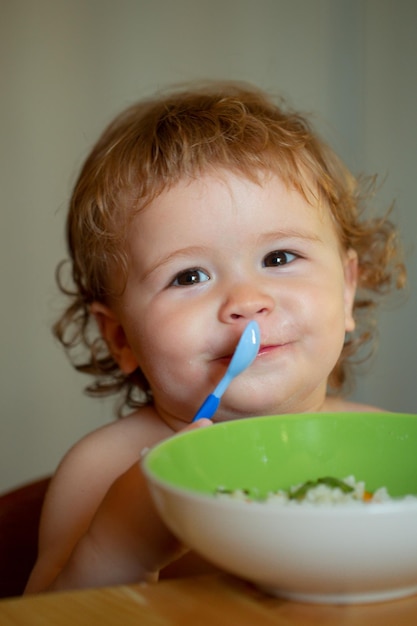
pixel 263 349
pixel 269 347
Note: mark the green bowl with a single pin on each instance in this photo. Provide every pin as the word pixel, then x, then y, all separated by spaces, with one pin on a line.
pixel 314 553
pixel 267 453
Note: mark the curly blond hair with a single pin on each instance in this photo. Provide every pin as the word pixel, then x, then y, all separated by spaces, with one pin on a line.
pixel 155 143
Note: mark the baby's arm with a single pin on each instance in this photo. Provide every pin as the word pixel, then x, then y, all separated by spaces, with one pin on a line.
pixel 125 542
pixel 99 525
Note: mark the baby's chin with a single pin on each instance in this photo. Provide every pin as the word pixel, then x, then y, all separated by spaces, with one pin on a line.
pixel 228 416
pixel 262 409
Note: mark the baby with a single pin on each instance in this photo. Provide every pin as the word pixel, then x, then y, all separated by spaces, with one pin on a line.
pixel 196 212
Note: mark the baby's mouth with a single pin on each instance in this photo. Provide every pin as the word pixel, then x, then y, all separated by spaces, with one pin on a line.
pixel 265 349
pixel 268 349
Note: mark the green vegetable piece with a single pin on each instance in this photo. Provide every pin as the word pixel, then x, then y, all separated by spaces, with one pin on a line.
pixel 301 492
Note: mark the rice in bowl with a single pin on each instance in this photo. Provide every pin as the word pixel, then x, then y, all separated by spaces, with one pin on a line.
pixel 327 490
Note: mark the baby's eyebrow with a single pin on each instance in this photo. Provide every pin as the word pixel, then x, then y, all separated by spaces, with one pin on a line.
pixel 289 234
pixel 176 255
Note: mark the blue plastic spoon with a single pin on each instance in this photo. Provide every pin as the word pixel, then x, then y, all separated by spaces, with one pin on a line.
pixel 244 355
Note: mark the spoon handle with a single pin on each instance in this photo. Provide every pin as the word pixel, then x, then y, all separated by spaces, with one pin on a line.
pixel 244 354
pixel 208 408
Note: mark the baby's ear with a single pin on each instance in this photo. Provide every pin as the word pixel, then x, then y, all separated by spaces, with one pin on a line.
pixel 114 335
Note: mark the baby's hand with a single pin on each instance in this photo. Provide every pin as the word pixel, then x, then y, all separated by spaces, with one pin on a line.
pixel 203 422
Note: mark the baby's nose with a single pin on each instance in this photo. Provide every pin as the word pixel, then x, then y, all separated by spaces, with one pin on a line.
pixel 247 302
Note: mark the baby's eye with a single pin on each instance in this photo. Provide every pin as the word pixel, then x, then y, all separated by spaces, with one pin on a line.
pixel 190 277
pixel 278 258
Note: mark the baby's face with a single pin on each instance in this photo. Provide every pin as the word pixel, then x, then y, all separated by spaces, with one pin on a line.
pixel 209 255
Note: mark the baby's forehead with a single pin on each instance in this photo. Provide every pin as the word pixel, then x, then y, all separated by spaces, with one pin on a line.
pixel 304 183
pixel 228 197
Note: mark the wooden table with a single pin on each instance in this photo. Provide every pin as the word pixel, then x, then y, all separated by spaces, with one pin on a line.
pixel 215 600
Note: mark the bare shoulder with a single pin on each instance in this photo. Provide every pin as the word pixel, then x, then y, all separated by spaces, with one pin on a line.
pixel 339 405
pixel 119 443
pixel 363 408
pixel 105 453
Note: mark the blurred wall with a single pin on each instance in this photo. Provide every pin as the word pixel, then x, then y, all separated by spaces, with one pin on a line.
pixel 67 66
